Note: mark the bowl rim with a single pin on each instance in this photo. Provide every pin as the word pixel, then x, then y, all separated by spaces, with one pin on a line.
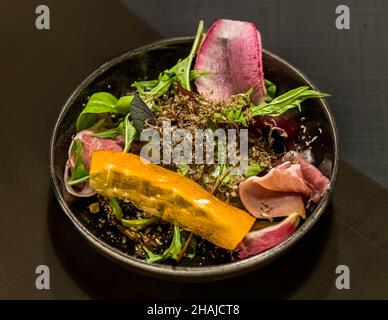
pixel 200 273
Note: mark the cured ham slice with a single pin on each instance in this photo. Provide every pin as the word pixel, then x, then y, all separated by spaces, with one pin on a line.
pixel 232 54
pixel 90 143
pixel 263 239
pixel 282 190
pixel 276 194
pixel 315 180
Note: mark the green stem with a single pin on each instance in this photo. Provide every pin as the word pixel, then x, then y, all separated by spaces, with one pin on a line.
pixel 194 49
pixel 77 181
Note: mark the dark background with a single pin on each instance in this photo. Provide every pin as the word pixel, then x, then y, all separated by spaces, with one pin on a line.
pixel 39 69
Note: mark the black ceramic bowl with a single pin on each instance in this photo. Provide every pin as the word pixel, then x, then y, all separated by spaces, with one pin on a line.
pixel 115 76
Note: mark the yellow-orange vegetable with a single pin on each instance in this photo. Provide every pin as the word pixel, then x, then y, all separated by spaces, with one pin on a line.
pixel 169 196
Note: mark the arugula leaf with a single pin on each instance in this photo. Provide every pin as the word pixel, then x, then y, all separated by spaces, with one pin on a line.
pixel 125 128
pixel 80 174
pixel 128 223
pixel 172 252
pixel 116 208
pixel 235 112
pixel 288 100
pixel 271 90
pixel 149 90
pixel 152 257
pixel 101 102
pixel 137 223
pixel 129 133
pixel 194 74
pixel 146 85
pixel 176 245
pixel 253 170
pixel 111 133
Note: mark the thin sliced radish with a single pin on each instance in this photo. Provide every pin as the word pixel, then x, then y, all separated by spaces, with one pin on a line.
pixel 263 239
pixel 232 54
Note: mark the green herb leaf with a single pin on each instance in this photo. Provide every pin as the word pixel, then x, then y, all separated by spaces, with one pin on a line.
pixel 116 208
pixel 80 174
pixel 129 133
pixel 176 245
pixel 124 104
pixel 171 252
pixel 140 114
pixel 99 102
pixel 194 74
pixel 137 223
pixel 287 101
pixel 125 128
pixel 193 51
pixel 146 85
pixel 102 102
pixel 152 257
pixel 183 169
pixel 271 90
pixel 150 90
pixel 253 170
pixel 111 133
pixel 128 223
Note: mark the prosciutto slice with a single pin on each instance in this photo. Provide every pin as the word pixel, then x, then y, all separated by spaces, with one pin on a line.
pixel 277 194
pixel 263 239
pixel 232 54
pixel 90 143
pixel 315 180
pixel 283 189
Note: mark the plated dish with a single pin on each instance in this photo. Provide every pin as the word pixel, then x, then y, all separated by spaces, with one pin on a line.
pixel 137 177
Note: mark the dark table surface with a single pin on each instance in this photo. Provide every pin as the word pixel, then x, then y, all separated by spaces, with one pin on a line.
pixel 39 69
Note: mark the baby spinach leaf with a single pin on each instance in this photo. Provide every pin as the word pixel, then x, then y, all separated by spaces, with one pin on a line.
pixel 101 102
pixel 124 104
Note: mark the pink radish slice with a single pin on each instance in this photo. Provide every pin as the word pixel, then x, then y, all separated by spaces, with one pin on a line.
pixel 263 239
pixel 232 54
